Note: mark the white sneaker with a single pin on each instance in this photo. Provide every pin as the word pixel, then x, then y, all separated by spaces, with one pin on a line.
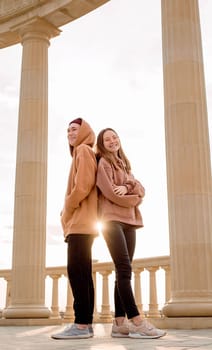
pixel 72 332
pixel 145 331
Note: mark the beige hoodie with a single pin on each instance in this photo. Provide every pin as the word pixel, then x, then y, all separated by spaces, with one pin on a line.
pixel 79 214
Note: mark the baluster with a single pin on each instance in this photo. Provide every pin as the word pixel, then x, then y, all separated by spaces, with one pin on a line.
pixel 8 290
pixel 55 306
pixel 69 313
pixel 167 270
pixel 137 290
pixel 95 314
pixel 105 315
pixel 153 305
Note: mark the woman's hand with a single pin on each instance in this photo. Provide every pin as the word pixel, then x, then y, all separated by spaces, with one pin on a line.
pixel 120 190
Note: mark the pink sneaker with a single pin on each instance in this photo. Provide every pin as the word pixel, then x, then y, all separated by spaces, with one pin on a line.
pixel 145 331
pixel 120 331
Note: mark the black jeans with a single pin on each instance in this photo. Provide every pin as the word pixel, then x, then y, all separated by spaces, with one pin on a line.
pixel 120 239
pixel 79 269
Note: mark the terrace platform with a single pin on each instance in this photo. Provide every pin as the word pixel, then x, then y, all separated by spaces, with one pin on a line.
pixel 39 337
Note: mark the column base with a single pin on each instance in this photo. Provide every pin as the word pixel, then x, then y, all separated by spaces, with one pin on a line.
pixel 29 311
pixel 30 322
pixel 182 322
pixel 188 309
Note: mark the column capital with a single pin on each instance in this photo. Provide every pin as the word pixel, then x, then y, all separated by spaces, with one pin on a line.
pixel 36 28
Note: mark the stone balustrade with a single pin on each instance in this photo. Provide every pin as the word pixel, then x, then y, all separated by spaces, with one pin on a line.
pixel 151 277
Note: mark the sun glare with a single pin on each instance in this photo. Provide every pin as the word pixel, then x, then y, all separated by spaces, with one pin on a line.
pixel 99 227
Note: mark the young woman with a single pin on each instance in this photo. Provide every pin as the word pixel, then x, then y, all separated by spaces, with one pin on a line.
pixel 120 195
pixel 78 218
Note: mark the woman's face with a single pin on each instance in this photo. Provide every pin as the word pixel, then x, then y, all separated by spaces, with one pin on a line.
pixel 111 141
pixel 73 131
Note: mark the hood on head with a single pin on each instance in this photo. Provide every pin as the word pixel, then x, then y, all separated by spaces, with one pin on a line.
pixel 85 136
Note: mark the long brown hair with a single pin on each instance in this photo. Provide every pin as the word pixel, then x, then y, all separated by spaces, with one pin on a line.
pixel 102 152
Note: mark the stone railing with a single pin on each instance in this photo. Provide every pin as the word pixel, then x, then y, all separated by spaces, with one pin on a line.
pixel 151 282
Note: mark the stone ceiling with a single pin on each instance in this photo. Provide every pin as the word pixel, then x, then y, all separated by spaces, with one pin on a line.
pixel 17 13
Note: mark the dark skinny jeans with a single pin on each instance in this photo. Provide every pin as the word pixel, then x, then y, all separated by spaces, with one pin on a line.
pixel 121 239
pixel 79 269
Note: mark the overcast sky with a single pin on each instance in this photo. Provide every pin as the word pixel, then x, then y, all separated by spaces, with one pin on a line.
pixel 105 67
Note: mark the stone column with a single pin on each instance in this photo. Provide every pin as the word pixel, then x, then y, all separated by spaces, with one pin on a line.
pixel 29 240
pixel 188 161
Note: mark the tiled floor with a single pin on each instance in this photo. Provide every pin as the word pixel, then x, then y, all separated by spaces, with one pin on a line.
pixel 39 337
